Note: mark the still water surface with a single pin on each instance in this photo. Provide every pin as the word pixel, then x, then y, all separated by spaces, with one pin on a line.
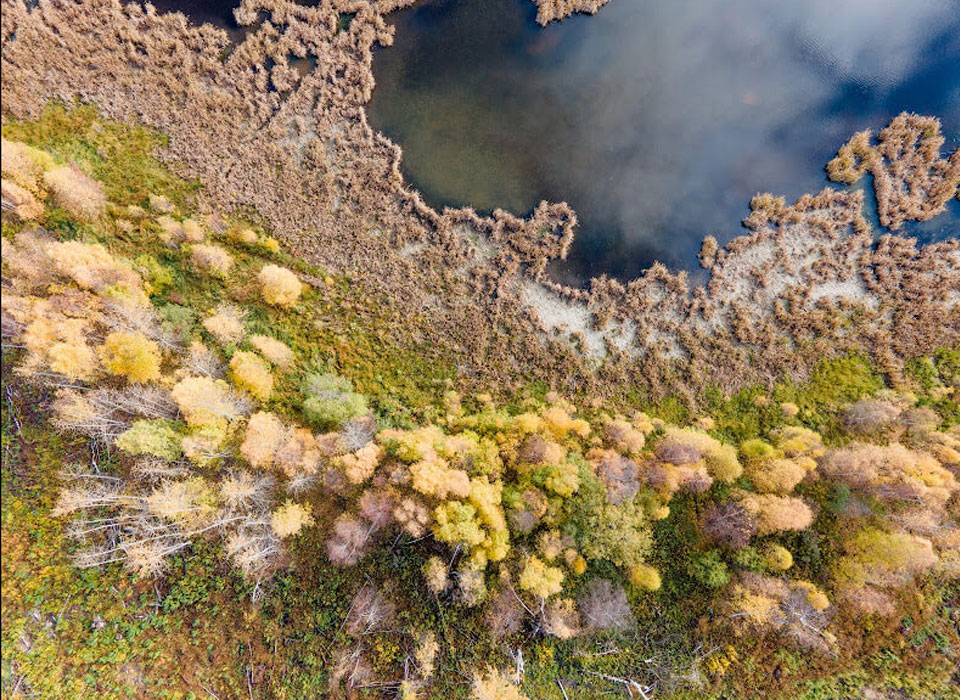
pixel 657 120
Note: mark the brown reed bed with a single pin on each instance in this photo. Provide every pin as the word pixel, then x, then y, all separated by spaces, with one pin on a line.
pixel 806 282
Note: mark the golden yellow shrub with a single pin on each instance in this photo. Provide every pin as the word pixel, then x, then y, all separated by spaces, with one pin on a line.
pixel 777 513
pixel 817 599
pixel 756 610
pixel 360 465
pixel 436 575
pixel 624 437
pixel 561 619
pixel 76 192
pixel 92 267
pixel 245 235
pixel 720 459
pixel 881 558
pixel 20 200
pixel 161 203
pixel 274 350
pixel 795 440
pixel 193 232
pixel 541 580
pixel 73 360
pixel 789 410
pixel 412 516
pixel 558 421
pixel 495 686
pixel 425 655
pixel 226 325
pixel 264 436
pixel 576 562
pixel 777 558
pixel 172 230
pixel 40 335
pixel 775 475
pixel 251 373
pixel 205 400
pixel 24 165
pixel 298 455
pixel 131 355
pixel 432 477
pixel 645 576
pixel 892 473
pixel 280 286
pixel 204 445
pixel 189 501
pixel 290 518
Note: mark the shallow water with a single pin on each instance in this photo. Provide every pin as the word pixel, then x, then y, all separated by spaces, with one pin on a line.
pixel 657 120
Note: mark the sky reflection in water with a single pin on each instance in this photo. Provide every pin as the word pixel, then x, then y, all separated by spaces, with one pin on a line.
pixel 656 119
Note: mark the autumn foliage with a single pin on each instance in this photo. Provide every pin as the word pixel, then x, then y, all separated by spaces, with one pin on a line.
pixel 553 519
pixel 279 286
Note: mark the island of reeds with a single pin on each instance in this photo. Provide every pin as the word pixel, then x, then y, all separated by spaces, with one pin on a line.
pixel 274 427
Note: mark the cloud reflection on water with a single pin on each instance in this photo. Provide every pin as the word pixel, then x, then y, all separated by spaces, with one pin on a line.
pixel 656 119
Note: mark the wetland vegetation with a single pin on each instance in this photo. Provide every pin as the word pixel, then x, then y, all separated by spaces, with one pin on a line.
pixel 276 427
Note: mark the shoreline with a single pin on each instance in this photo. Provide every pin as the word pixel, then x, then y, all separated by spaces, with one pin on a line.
pixel 359 462
pixel 299 150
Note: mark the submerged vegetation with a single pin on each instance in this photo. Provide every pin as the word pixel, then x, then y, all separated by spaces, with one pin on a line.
pixel 222 480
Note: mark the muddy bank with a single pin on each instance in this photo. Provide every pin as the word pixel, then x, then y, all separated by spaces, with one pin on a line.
pixel 806 283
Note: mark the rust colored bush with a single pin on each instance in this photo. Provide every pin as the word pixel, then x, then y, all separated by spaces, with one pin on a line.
pixel 729 524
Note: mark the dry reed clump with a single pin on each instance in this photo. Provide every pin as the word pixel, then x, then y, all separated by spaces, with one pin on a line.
pixel 551 10
pixel 211 259
pixel 912 181
pixel 299 150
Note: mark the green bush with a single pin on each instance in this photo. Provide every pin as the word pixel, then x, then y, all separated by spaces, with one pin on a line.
pixel 837 499
pixel 748 558
pixel 151 437
pixel 157 276
pixel 330 401
pixel 709 570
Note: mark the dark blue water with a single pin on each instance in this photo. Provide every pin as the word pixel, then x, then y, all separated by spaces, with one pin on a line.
pixel 216 12
pixel 657 120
